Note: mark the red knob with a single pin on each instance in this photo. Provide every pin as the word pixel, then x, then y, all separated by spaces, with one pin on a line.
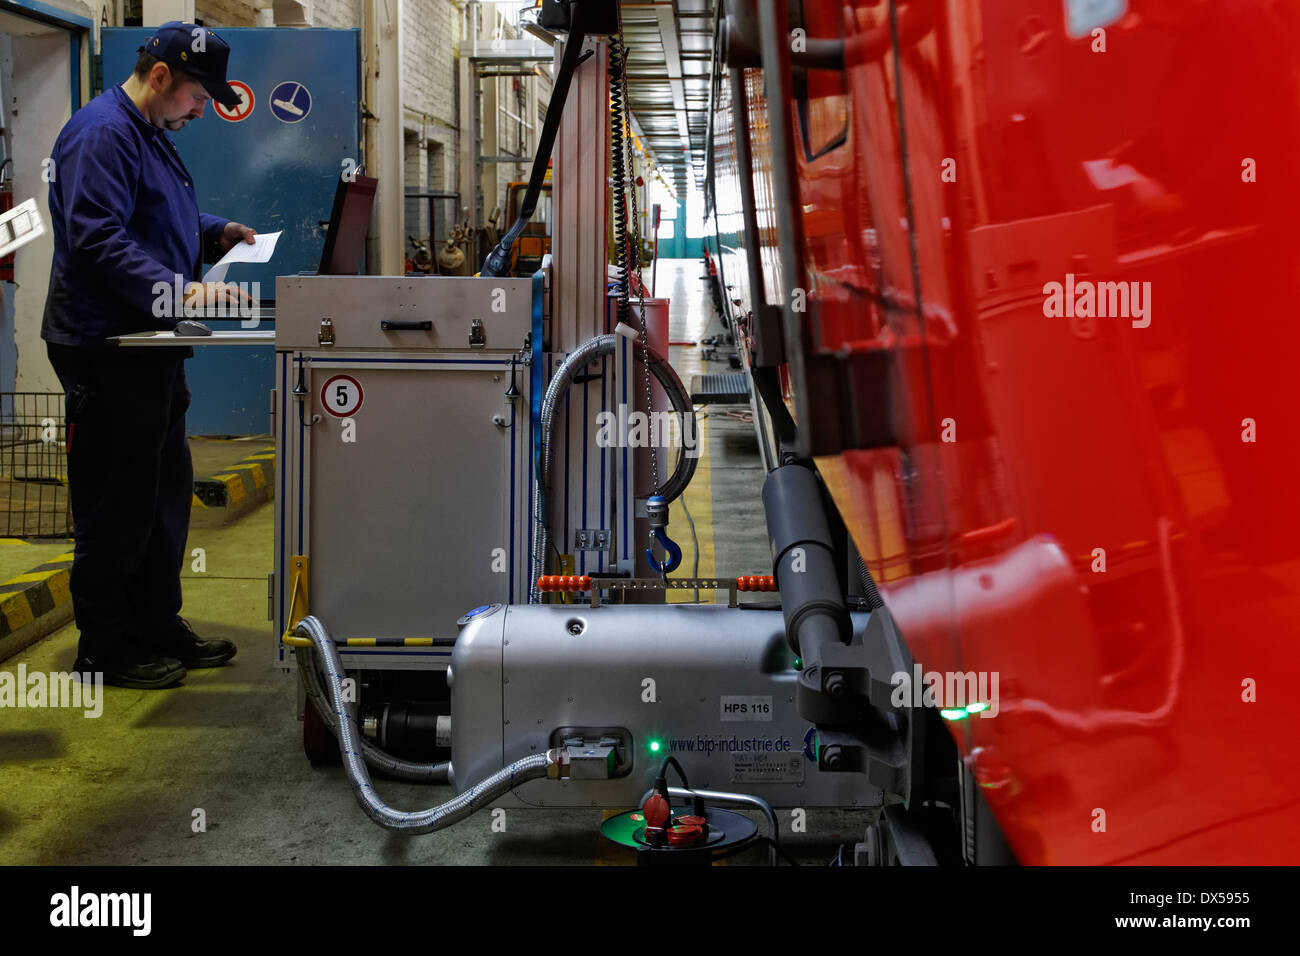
pixel 656 811
pixel 685 836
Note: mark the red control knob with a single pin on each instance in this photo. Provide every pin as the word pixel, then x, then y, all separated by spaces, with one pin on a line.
pixel 656 811
pixel 685 835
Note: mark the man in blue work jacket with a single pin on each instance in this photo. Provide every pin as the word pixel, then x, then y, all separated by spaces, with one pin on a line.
pixel 127 226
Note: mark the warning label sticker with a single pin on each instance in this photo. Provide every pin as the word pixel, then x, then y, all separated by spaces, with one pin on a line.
pixel 746 708
pixel 767 768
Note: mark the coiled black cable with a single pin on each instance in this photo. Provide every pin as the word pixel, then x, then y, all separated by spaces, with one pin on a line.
pixel 617 110
pixel 869 591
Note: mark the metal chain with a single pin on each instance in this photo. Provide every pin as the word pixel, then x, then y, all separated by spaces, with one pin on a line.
pixel 636 252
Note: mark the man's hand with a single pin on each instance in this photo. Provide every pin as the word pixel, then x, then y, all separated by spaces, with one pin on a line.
pixel 234 232
pixel 205 295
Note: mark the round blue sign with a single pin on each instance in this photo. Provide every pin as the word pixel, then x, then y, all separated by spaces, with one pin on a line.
pixel 290 102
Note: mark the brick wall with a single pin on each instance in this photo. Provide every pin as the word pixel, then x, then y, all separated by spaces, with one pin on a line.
pixel 431 35
pixel 340 14
pixel 226 13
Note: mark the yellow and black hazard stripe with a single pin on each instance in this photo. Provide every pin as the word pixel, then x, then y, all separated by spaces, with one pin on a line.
pixel 386 642
pixel 296 641
pixel 35 603
pixel 240 487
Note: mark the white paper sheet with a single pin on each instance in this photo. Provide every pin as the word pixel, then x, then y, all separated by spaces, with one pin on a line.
pixel 260 250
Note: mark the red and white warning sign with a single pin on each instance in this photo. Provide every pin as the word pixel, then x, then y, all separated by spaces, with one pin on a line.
pixel 341 396
pixel 234 114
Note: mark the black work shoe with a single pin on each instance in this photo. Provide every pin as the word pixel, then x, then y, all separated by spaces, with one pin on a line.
pixel 194 652
pixel 138 669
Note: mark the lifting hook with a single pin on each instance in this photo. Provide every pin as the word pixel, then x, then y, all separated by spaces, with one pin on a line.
pixel 656 507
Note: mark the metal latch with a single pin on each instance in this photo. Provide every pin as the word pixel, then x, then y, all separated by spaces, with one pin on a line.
pixel 477 337
pixel 326 336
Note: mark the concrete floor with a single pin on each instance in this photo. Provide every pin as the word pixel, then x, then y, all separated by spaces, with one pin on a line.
pixel 128 786
pixel 18 556
pixel 211 456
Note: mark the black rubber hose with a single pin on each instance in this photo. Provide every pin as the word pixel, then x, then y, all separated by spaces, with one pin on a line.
pixel 497 263
pixel 804 561
pixel 663 773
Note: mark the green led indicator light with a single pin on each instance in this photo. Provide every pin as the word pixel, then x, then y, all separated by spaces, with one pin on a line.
pixel 654 746
pixel 961 713
pixel 798 663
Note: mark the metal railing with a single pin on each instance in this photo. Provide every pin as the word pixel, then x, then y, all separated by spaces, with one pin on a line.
pixel 34 466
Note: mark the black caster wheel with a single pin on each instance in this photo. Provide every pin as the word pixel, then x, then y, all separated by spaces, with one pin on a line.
pixel 318 741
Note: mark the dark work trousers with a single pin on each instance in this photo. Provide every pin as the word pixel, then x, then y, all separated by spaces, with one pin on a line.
pixel 131 482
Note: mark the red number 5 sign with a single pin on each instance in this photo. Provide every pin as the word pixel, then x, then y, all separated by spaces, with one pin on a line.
pixel 341 396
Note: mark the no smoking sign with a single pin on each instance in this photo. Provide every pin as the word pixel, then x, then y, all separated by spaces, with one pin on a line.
pixel 341 396
pixel 234 114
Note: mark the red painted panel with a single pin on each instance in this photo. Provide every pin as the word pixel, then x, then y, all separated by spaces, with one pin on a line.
pixel 1041 437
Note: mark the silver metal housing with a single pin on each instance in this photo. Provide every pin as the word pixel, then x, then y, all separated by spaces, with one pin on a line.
pixel 421 495
pixel 713 685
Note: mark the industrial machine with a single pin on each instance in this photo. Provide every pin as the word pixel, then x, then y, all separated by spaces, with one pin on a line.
pixel 402 419
pixel 426 410
pixel 448 511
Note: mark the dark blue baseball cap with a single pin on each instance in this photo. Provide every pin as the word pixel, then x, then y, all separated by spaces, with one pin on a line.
pixel 197 52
